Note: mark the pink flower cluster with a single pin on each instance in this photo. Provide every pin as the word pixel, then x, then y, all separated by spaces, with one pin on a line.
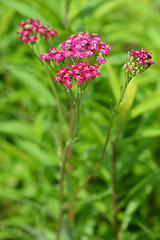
pixel 80 46
pixel 32 28
pixel 80 72
pixel 139 61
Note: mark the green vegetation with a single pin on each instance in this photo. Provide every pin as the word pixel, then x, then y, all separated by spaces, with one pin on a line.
pixel 29 127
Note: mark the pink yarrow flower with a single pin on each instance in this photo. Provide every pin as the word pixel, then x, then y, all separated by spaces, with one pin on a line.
pixel 32 28
pixel 33 38
pixel 81 72
pixel 138 61
pixel 81 46
pixel 73 53
pixel 101 60
pixel 24 39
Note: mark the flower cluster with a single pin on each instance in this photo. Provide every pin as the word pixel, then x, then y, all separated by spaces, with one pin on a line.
pixel 81 73
pixel 84 47
pixel 80 46
pixel 32 28
pixel 138 61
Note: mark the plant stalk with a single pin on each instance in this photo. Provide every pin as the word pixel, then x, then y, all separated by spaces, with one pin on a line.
pixel 114 183
pixel 77 109
pixel 62 169
pixel 103 151
pixel 61 197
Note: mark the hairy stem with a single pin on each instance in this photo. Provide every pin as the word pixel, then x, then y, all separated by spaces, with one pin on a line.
pixel 70 117
pixel 114 183
pixel 77 113
pixel 114 197
pixel 62 168
pixel 104 149
pixel 61 197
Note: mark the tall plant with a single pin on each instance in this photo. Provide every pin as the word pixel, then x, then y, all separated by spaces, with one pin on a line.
pixel 75 66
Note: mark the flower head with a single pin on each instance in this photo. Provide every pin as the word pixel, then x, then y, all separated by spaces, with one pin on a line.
pixel 32 29
pixel 80 46
pixel 138 62
pixel 78 59
pixel 80 73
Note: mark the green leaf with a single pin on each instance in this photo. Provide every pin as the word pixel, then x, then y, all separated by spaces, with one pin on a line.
pixel 149 104
pixel 37 234
pixel 106 7
pixel 34 84
pixel 86 9
pixel 138 189
pixel 40 123
pixel 143 133
pixel 93 198
pixel 5 20
pixel 9 193
pixel 16 127
pixel 113 81
pixel 35 151
pixel 150 133
pixel 147 185
pixel 12 150
pixel 25 9
pixel 148 231
pixel 128 97
pixel 131 208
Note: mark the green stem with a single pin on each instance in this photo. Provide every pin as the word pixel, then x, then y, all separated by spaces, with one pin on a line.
pixel 54 70
pixel 61 197
pixel 104 149
pixel 72 95
pixel 77 109
pixel 62 168
pixel 114 182
pixel 31 50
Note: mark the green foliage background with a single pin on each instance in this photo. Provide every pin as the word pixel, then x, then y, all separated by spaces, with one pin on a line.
pixel 29 162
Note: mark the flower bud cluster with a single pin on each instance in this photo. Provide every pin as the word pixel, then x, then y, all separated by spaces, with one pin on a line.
pixel 138 61
pixel 81 73
pixel 32 28
pixel 80 46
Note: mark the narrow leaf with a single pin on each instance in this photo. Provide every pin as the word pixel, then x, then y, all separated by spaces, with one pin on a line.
pixel 16 127
pixel 146 105
pixel 113 81
pixel 33 84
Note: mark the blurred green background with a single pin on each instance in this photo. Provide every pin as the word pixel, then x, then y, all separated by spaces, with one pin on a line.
pixel 29 163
